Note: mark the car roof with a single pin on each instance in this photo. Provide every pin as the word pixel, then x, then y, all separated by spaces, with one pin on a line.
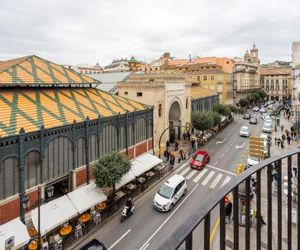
pixel 201 152
pixel 93 243
pixel 174 180
pixel 244 127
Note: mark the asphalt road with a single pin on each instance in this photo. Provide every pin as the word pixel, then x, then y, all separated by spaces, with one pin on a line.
pixel 148 228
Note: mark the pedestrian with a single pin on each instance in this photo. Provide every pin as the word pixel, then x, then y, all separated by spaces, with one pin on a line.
pixel 176 145
pixel 282 144
pixel 184 135
pixel 167 144
pixel 181 154
pixel 275 140
pixel 288 138
pixel 193 145
pixel 282 127
pixel 188 135
pixel 283 137
pixel 294 135
pixel 228 211
pixel 278 141
pixel 292 129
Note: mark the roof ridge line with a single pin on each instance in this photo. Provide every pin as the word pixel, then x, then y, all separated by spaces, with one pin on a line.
pixel 24 58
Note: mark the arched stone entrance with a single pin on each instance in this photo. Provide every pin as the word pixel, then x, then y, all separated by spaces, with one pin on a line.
pixel 175 120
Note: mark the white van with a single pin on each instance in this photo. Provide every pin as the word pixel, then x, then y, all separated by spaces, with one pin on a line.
pixel 169 193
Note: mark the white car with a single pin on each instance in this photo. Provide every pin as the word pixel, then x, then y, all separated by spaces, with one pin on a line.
pixel 270 106
pixel 267 128
pixel 244 131
pixel 268 119
pixel 251 161
pixel 169 193
pixel 255 109
pixel 262 110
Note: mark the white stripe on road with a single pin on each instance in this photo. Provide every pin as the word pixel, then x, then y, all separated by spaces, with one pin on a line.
pixel 227 179
pixel 113 245
pixel 216 163
pixel 203 171
pixel 215 182
pixel 146 246
pixel 185 171
pixel 221 155
pixel 181 167
pixel 208 178
pixel 191 174
pixel 220 169
pixel 146 243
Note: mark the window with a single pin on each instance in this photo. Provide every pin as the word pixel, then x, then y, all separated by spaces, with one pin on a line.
pixel 159 110
pixel 212 78
pixel 187 103
pixel 204 78
pixel 9 177
pixel 140 130
pixel 198 78
pixel 80 156
pixel 108 139
pixel 32 169
pixel 93 148
pixel 125 93
pixel 139 94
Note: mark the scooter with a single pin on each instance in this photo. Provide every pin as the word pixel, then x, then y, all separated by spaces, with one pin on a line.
pixel 125 215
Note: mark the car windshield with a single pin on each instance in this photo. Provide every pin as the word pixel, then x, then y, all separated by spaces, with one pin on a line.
pixel 244 129
pixel 198 157
pixel 165 191
pixel 266 125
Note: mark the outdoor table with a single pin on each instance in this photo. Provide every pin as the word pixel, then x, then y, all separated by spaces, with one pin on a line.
pixel 119 195
pixel 141 179
pixel 33 245
pixel 101 206
pixel 131 187
pixel 65 230
pixel 150 174
pixel 32 232
pixel 85 218
pixel 161 169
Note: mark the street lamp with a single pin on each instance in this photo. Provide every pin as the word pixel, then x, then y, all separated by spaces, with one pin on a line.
pixel 25 201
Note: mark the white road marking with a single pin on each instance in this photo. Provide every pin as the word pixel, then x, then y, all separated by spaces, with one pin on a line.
pixel 145 244
pixel 208 178
pixel 241 146
pixel 220 169
pixel 221 155
pixel 191 174
pixel 185 171
pixel 216 163
pixel 215 182
pixel 113 245
pixel 227 149
pixel 181 167
pixel 227 179
pixel 203 171
pixel 231 144
pixel 219 142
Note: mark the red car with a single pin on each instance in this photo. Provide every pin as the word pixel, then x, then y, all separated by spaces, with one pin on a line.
pixel 200 159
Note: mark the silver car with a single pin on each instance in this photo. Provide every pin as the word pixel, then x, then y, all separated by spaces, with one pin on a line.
pixel 267 128
pixel 244 131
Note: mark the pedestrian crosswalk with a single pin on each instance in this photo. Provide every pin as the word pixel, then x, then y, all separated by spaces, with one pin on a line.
pixel 209 177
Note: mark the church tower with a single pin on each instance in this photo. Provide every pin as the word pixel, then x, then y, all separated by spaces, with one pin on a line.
pixel 254 54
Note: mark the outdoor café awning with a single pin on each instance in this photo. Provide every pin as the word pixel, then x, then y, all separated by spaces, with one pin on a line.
pixel 54 214
pixel 128 177
pixel 85 197
pixel 14 228
pixel 144 163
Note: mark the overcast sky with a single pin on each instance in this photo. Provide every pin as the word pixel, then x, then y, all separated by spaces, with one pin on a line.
pixel 77 31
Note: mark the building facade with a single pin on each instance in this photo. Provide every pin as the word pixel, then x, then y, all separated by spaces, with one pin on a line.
pixel 88 69
pixel 117 65
pixel 296 72
pixel 52 135
pixel 246 74
pixel 277 82
pixel 173 99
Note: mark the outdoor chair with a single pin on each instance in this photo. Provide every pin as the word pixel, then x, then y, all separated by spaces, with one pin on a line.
pixel 97 218
pixel 58 245
pixel 45 246
pixel 78 231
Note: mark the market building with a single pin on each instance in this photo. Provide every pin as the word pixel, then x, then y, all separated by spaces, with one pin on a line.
pixel 54 125
pixel 173 97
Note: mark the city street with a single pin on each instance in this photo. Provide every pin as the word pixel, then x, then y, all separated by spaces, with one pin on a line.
pixel 147 228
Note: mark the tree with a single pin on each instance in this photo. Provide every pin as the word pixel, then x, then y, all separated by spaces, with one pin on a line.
pixel 201 120
pixel 233 108
pixel 222 109
pixel 243 102
pixel 110 169
pixel 262 94
pixel 216 118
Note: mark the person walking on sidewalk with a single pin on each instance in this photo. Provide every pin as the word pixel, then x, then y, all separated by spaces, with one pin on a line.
pixel 282 143
pixel 283 137
pixel 176 145
pixel 278 142
pixel 282 127
pixel 181 154
pixel 288 138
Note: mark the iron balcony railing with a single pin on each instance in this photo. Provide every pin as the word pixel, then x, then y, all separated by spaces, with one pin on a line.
pixel 243 238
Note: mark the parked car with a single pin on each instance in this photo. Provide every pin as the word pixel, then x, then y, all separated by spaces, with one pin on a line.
pixel 251 161
pixel 200 159
pixel 230 119
pixel 270 106
pixel 253 120
pixel 255 109
pixel 246 116
pixel 267 128
pixel 93 245
pixel 262 110
pixel 169 193
pixel 267 119
pixel 244 131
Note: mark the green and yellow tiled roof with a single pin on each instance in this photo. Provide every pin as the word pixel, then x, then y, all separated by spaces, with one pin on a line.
pixel 30 108
pixel 33 70
pixel 201 92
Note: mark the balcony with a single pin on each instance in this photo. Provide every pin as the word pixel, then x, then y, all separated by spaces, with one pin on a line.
pixel 277 203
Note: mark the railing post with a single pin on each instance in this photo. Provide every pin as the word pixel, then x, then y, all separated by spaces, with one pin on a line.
pixel 258 210
pixel 279 207
pixel 298 205
pixel 189 241
pixel 289 208
pixel 236 218
pixel 207 232
pixel 269 201
pixel 222 225
pixel 248 223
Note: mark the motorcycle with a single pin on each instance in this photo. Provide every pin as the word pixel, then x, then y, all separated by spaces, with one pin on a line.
pixel 126 214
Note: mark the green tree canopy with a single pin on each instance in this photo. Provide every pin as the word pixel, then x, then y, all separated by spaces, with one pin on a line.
pixel 261 93
pixel 233 108
pixel 216 118
pixel 222 109
pixel 110 169
pixel 244 102
pixel 202 120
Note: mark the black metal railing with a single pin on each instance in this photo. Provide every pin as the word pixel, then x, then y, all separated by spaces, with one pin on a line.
pixel 278 235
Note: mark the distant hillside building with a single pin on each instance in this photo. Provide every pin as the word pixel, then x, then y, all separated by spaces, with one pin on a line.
pixel 88 69
pixel 117 65
pixel 296 72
